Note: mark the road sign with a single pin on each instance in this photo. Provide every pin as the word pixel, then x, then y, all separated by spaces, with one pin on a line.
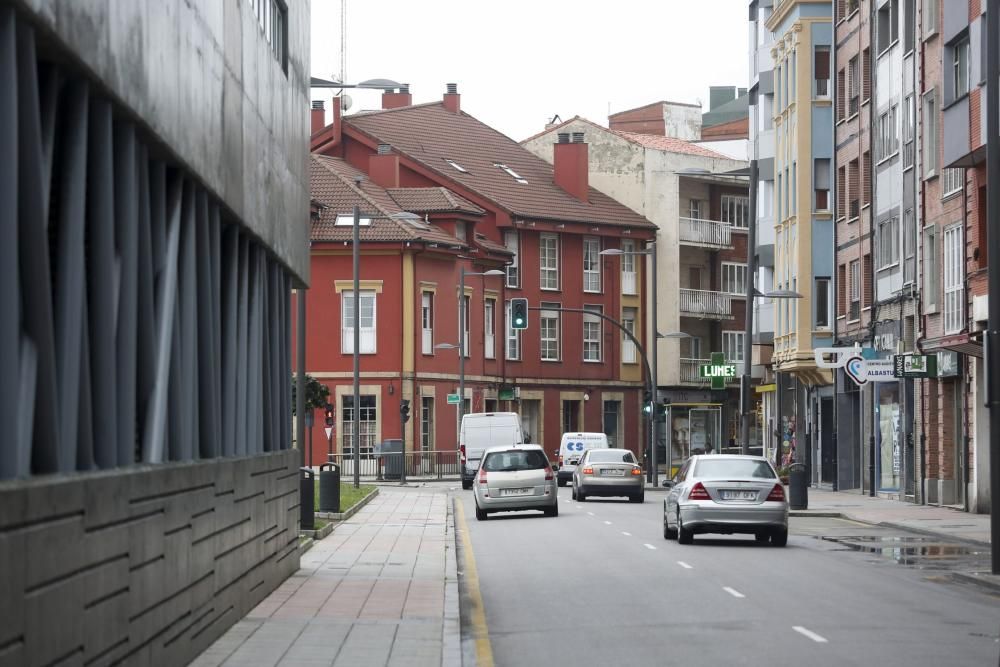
pixel 719 371
pixel 454 399
pixel 329 432
pixel 915 365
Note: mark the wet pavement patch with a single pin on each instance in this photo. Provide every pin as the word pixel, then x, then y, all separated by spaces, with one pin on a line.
pixel 927 553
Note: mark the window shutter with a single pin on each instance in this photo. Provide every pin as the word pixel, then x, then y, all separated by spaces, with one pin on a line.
pixel 867 287
pixel 866 74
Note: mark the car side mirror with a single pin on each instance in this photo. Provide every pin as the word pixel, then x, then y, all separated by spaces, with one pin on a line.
pixel 668 483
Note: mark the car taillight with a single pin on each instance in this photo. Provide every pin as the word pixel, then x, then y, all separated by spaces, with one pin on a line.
pixel 588 471
pixel 482 476
pixel 636 471
pixel 461 449
pixel 777 493
pixel 548 474
pixel 560 460
pixel 699 492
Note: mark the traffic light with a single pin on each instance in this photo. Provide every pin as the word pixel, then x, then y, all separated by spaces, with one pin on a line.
pixel 328 408
pixel 518 313
pixel 647 402
pixel 404 410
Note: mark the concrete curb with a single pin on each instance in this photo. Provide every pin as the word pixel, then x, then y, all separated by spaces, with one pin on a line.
pixel 343 516
pixel 820 513
pixel 451 629
pixel 978 580
pixel 927 532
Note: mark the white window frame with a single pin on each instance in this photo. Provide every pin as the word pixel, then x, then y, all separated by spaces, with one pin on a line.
pixel 954 279
pixel 490 327
pixel 592 335
pixel 549 326
pixel 369 334
pixel 888 136
pixel 734 275
pixel 629 283
pixel 427 322
pixel 467 307
pixel 929 130
pixel 960 68
pixel 592 264
pixel 694 209
pixel 512 241
pixel 460 231
pixel 824 285
pixel 512 341
pixel 888 242
pixel 952 181
pixel 931 265
pixel 548 262
pixel 732 346
pixel 854 280
pixel 736 211
pixel 629 352
pixel 368 414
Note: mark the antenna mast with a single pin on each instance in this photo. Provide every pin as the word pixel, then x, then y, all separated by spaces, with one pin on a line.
pixel 343 41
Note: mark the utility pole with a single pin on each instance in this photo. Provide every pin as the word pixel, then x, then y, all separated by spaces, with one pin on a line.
pixel 992 339
pixel 356 412
pixel 745 401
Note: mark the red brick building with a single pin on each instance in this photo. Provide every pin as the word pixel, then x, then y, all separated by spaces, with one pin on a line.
pixel 440 190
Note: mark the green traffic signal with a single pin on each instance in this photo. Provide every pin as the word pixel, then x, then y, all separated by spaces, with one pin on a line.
pixel 518 313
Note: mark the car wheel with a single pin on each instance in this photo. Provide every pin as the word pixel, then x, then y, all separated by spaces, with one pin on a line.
pixel 779 537
pixel 684 535
pixel 572 492
pixel 552 511
pixel 580 496
pixel 480 514
pixel 761 537
pixel 466 484
pixel 668 532
pixel 641 498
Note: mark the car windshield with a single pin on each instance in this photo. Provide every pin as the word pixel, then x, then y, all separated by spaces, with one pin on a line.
pixel 611 456
pixel 733 469
pixel 515 460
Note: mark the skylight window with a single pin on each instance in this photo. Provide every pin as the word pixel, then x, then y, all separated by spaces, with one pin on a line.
pixel 517 177
pixel 457 166
pixel 348 221
pixel 411 219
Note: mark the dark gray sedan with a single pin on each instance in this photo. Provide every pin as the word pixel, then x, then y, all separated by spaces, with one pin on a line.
pixel 726 494
pixel 608 472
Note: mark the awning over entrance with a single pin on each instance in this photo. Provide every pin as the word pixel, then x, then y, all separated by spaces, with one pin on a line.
pixel 964 343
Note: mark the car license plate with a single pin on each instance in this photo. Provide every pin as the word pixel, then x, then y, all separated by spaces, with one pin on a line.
pixel 613 472
pixel 516 492
pixel 739 495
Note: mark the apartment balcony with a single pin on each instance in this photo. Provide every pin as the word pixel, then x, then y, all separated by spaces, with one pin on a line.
pixel 706 304
pixel 691 373
pixel 706 233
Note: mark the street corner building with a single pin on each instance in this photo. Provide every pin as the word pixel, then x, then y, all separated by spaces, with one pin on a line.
pixel 153 223
pixel 441 197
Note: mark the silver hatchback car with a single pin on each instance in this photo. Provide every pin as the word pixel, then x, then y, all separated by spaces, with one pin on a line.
pixel 515 478
pixel 608 472
pixel 726 494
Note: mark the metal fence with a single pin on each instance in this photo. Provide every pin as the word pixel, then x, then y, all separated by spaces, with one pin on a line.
pixel 429 465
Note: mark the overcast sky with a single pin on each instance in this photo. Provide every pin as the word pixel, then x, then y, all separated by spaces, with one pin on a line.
pixel 518 63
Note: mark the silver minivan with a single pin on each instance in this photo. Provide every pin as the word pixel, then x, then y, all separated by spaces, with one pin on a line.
pixel 511 479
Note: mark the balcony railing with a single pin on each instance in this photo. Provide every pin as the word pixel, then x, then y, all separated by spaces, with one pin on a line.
pixel 706 304
pixel 691 371
pixel 706 233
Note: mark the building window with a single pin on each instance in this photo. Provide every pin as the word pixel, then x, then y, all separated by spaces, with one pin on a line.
pixel 736 210
pixel 367 332
pixel 490 327
pixel 734 278
pixel 866 178
pixel 952 181
pixel 909 24
pixel 888 137
pixel 929 12
pixel 821 71
pixel 821 184
pixel 853 86
pixel 954 277
pixel 612 417
pixel 909 121
pixel 510 240
pixel 427 322
pixel 592 334
pixel 629 355
pixel 272 17
pixel 369 426
pixel 887 25
pixel 930 131
pixel 427 424
pixel 909 247
pixel 591 265
pixel 548 261
pixel 548 326
pixel 960 68
pixel 695 209
pixel 822 303
pixel 628 267
pixel 855 281
pixel 466 310
pixel 460 233
pixel 888 243
pixel 732 347
pixel 513 338
pixel 931 273
pixel 854 190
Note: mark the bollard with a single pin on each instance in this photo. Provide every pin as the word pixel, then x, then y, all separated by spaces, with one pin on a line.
pixel 798 486
pixel 329 487
pixel 307 499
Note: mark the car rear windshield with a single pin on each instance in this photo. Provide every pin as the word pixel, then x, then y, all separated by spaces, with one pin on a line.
pixel 610 456
pixel 515 460
pixel 733 469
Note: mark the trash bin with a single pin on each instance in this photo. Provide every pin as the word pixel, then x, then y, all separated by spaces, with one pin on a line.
pixel 329 487
pixel 307 503
pixel 392 455
pixel 798 486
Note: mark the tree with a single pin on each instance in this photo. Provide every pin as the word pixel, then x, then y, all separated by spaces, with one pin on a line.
pixel 317 393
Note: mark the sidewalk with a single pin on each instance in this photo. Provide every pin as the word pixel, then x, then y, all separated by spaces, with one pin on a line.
pixel 381 590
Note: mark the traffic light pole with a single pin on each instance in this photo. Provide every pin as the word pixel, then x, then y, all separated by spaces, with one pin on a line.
pixel 404 417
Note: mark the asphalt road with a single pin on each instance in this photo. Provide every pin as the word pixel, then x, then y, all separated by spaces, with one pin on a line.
pixel 598 585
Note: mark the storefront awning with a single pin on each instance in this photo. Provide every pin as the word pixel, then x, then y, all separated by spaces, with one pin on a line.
pixel 969 344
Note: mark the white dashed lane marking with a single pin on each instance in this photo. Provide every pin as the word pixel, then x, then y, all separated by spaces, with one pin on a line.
pixel 590 513
pixel 735 593
pixel 607 523
pixel 810 634
pixel 684 565
pixel 649 546
pixel 626 534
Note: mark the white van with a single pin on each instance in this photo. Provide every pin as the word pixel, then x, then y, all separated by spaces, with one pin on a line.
pixel 482 430
pixel 572 447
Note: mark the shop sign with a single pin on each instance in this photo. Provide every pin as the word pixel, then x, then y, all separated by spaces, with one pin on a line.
pixel 718 371
pixel 863 371
pixel 947 364
pixel 914 366
pixel 506 393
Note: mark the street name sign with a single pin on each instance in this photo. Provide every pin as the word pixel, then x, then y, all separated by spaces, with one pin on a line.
pixel 453 399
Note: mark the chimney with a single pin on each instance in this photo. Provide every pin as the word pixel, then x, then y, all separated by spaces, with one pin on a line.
pixel 318 116
pixel 452 100
pixel 570 168
pixel 393 100
pixel 383 167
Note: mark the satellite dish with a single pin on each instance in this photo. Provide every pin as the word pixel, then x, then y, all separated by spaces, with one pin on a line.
pixel 345 102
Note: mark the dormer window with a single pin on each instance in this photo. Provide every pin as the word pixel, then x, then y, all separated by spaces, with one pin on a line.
pixel 457 166
pixel 460 231
pixel 517 177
